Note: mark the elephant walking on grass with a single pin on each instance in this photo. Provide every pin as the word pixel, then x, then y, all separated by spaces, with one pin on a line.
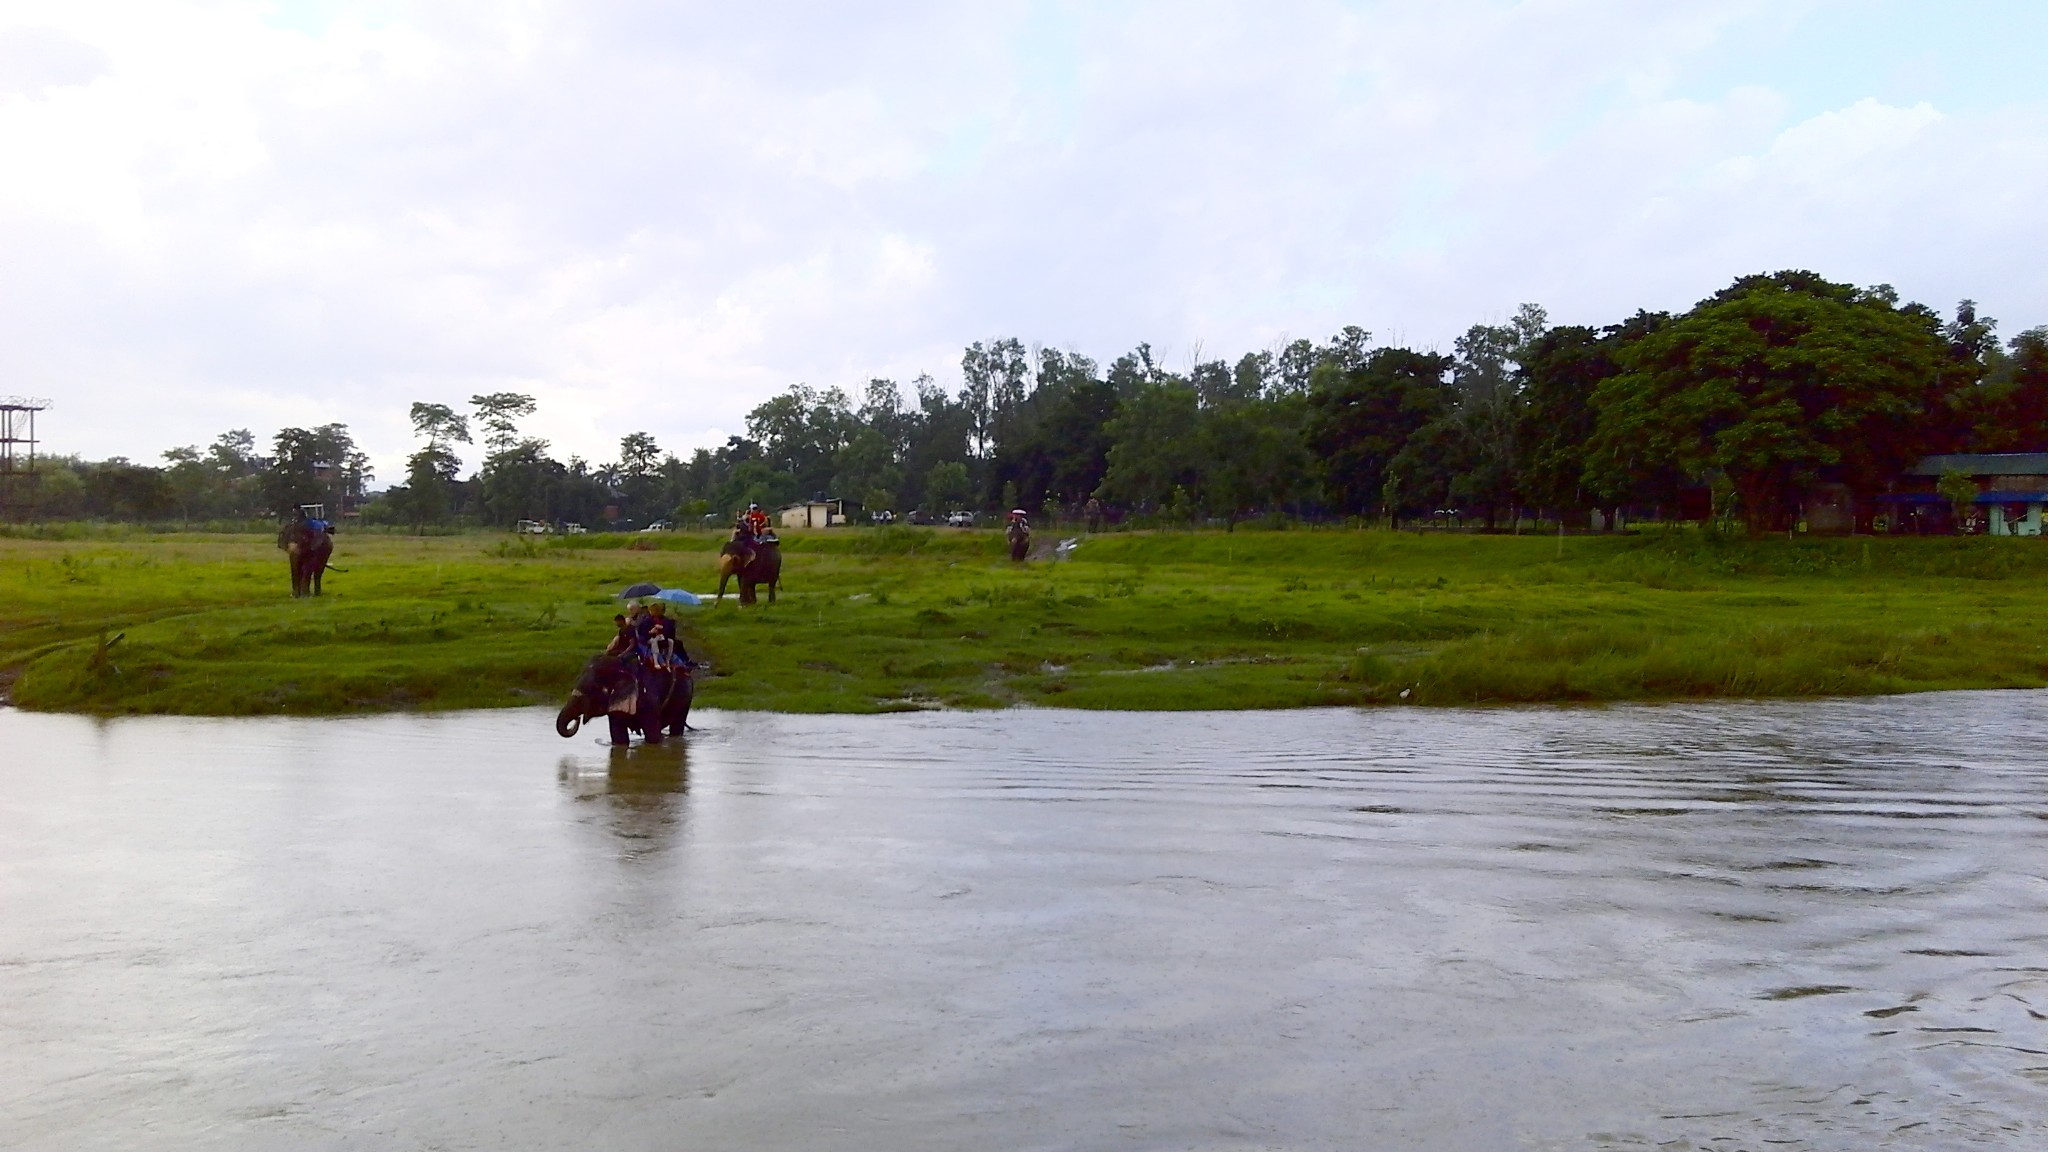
pixel 763 568
pixel 307 548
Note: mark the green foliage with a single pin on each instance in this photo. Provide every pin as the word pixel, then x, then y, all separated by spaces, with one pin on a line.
pixel 1362 416
pixel 1959 490
pixel 1773 382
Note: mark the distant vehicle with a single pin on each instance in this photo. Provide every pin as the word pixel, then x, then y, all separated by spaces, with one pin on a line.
pixel 884 516
pixel 960 519
pixel 531 528
pixel 661 526
pixel 916 517
pixel 573 529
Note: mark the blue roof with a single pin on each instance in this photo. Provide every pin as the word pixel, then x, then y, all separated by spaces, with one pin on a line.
pixel 1979 498
pixel 1984 464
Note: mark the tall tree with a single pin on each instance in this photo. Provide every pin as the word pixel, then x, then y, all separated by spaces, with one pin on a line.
pixel 1361 417
pixel 1154 445
pixel 498 413
pixel 1777 381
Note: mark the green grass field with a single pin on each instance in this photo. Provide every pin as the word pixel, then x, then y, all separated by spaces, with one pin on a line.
pixel 910 618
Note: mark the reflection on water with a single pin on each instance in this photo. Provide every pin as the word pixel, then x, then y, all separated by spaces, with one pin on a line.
pixel 641 790
pixel 1721 926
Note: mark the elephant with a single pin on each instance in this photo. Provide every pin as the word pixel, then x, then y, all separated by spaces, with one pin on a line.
pixel 1020 539
pixel 611 687
pixel 764 568
pixel 307 549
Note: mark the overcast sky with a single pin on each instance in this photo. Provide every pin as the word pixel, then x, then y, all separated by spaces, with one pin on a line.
pixel 653 215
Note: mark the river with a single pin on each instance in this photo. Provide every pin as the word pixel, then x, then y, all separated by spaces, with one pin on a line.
pixel 1814 925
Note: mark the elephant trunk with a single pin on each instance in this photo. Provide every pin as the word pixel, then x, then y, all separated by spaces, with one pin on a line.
pixel 570 719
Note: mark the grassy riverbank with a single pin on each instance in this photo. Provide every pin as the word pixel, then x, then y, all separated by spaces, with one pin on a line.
pixel 915 618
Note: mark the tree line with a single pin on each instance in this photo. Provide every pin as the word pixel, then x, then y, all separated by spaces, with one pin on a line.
pixel 1774 384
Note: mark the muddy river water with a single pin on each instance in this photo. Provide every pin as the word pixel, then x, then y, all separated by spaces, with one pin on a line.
pixel 1727 926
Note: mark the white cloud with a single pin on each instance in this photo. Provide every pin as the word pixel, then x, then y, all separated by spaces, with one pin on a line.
pixel 654 215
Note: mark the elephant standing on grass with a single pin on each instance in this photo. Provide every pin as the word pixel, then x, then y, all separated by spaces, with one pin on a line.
pixel 764 567
pixel 306 546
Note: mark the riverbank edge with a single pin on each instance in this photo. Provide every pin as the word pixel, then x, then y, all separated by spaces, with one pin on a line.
pixel 1360 697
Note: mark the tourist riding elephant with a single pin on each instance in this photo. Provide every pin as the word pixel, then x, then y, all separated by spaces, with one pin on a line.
pixel 765 567
pixel 307 548
pixel 612 687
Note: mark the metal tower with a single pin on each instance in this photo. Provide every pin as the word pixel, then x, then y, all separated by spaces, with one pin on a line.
pixel 18 476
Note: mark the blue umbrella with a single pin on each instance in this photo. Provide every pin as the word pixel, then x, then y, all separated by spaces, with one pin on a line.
pixel 678 596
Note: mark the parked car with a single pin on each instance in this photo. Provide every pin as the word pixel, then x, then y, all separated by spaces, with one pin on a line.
pixel 661 526
pixel 531 528
pixel 883 516
pixel 573 529
pixel 960 519
pixel 916 517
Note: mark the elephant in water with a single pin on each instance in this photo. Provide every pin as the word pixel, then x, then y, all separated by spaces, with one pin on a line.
pixel 653 702
pixel 764 568
pixel 307 549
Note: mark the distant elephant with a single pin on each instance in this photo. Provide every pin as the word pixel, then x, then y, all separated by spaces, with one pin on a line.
pixel 764 568
pixel 1020 539
pixel 306 548
pixel 611 687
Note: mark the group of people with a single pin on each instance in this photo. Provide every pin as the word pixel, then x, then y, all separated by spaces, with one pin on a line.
pixel 647 640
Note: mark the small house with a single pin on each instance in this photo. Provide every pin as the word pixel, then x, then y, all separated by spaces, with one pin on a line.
pixel 812 514
pixel 2012 488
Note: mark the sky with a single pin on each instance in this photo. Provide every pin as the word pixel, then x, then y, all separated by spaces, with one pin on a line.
pixel 653 216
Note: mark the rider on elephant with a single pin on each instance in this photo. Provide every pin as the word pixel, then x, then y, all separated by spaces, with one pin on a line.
pixel 748 530
pixel 656 638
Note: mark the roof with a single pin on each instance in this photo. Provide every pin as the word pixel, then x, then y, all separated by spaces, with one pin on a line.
pixel 1985 464
pixel 1979 498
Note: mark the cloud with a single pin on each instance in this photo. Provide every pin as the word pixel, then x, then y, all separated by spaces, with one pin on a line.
pixel 35 60
pixel 654 215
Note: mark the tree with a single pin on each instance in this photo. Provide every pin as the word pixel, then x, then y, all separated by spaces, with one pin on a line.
pixel 1777 381
pixel 315 466
pixel 1361 417
pixel 193 484
pixel 1559 373
pixel 947 486
pixel 865 465
pixel 1154 445
pixel 1961 493
pixel 801 430
pixel 2008 411
pixel 1255 455
pixel 440 425
pixel 497 413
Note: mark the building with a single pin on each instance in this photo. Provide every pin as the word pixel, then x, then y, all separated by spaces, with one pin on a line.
pixel 2012 488
pixel 812 514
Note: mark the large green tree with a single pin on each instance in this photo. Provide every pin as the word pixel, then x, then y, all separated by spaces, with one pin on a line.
pixel 1362 414
pixel 1154 444
pixel 1775 382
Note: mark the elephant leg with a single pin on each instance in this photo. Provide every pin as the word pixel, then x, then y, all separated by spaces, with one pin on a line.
pixel 650 717
pixel 622 729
